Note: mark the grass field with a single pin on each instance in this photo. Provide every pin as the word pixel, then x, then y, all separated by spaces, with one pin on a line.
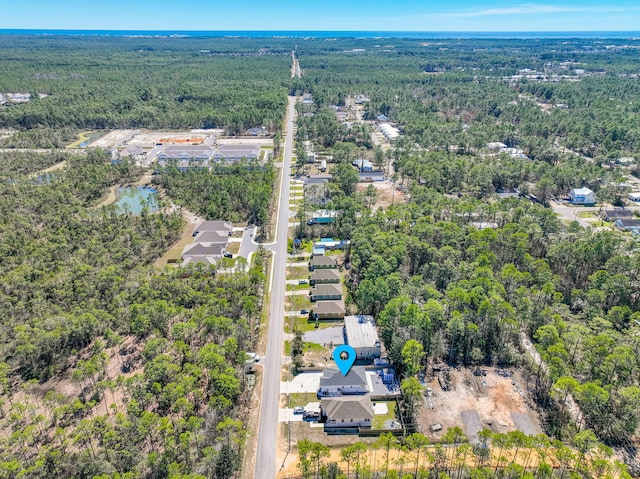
pixel 297 272
pixel 297 302
pixel 301 399
pixel 297 287
pixel 234 247
pixel 379 420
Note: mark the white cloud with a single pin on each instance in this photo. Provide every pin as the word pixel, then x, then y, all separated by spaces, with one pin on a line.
pixel 537 9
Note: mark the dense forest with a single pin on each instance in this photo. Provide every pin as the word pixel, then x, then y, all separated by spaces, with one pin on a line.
pixel 223 192
pixel 109 367
pixel 121 82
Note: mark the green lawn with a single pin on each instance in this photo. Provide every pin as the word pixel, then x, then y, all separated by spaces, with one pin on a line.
pixel 297 287
pixel 302 399
pixel 287 348
pixel 297 272
pixel 314 347
pixel 379 419
pixel 585 214
pixel 299 301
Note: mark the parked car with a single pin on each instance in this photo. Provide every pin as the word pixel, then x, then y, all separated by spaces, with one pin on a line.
pixel 304 311
pixel 298 410
pixel 303 281
pixel 228 255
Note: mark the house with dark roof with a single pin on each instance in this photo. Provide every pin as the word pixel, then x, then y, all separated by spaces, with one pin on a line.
pixel 628 224
pixel 213 250
pixel 616 213
pixel 322 262
pixel 324 276
pixel 346 412
pixel 211 225
pixel 329 310
pixel 333 383
pixel 212 237
pixel 196 260
pixel 323 292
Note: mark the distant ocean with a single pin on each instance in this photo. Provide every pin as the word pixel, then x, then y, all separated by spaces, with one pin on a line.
pixel 321 34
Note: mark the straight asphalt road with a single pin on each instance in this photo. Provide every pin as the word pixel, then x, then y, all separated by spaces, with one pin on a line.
pixel 266 467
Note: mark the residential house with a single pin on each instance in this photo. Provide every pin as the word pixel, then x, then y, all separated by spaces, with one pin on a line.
pixel 307 99
pixel 322 217
pixel 635 197
pixel 582 196
pixel 213 225
pixel 361 334
pixel 257 131
pixel 325 276
pixel 329 310
pixel 322 262
pixel 347 412
pixel 371 176
pixel 496 146
pixel 331 244
pixel 323 292
pixel 616 213
pixel 363 165
pixel 333 383
pixel 212 237
pixel 389 132
pixel 382 118
pixel 203 260
pixel 628 224
pixel 318 250
pixel 211 250
pixel 319 179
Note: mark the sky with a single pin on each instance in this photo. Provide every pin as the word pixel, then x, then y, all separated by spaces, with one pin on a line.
pixel 350 15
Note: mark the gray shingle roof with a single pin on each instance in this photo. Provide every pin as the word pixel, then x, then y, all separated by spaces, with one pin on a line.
pixel 326 290
pixel 322 261
pixel 212 237
pixel 333 377
pixel 348 407
pixel 330 306
pixel 200 249
pixel 325 274
pixel 211 225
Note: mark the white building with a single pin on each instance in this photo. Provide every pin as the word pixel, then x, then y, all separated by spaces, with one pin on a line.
pixel 360 333
pixel 634 197
pixel 582 196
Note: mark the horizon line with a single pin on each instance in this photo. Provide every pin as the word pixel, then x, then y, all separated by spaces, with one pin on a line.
pixel 2 29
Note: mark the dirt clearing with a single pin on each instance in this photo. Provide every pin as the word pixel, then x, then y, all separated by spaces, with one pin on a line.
pixel 386 193
pixel 495 401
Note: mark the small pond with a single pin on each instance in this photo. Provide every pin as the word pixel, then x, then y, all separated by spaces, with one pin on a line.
pixel 136 197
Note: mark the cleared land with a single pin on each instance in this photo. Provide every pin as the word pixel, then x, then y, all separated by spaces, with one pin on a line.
pixel 497 402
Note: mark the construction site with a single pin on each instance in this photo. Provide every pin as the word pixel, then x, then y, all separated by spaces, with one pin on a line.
pixel 475 399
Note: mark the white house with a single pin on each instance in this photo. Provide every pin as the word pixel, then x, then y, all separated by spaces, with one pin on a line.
pixel 634 197
pixel 347 412
pixel 582 196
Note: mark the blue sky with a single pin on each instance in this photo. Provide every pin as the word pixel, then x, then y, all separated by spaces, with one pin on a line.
pixel 371 15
